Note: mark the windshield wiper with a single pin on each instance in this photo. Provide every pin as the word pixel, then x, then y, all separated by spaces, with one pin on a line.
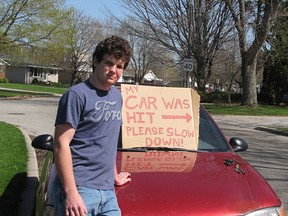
pixel 166 149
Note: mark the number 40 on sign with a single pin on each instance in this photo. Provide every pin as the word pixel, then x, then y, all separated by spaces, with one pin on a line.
pixel 187 65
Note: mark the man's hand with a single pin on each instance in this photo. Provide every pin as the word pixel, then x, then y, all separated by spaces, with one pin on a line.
pixel 74 205
pixel 122 178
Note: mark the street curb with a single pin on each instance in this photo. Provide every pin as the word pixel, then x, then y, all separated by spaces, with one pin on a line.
pixel 32 159
pixel 271 130
pixel 28 197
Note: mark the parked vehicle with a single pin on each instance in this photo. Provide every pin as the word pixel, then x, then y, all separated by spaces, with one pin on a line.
pixel 213 180
pixel 39 80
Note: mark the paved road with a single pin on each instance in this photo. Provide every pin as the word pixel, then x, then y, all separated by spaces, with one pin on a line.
pixel 267 152
pixel 35 115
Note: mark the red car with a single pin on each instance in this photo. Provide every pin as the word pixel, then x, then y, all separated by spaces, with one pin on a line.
pixel 213 180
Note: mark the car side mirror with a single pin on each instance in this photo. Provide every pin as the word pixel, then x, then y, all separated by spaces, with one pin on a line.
pixel 238 145
pixel 44 142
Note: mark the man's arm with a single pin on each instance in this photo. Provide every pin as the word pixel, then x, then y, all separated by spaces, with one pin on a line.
pixel 121 178
pixel 63 161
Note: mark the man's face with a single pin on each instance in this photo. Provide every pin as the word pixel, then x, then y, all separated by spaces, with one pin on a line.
pixel 109 70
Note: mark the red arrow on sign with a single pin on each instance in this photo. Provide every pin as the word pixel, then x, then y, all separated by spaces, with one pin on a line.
pixel 187 117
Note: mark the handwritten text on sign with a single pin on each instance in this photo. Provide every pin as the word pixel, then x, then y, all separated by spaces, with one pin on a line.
pixel 158 161
pixel 158 117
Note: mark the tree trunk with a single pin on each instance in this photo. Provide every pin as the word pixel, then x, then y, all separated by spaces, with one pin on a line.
pixel 200 76
pixel 249 97
pixel 74 77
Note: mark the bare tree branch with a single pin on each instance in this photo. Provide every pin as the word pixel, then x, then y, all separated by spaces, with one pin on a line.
pixel 191 29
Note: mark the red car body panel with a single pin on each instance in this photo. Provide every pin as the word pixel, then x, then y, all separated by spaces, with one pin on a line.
pixel 202 189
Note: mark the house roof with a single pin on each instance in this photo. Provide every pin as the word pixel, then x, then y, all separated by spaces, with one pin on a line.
pixel 12 63
pixel 150 76
pixel 40 66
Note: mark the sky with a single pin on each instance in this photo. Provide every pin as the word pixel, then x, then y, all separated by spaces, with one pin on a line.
pixel 96 8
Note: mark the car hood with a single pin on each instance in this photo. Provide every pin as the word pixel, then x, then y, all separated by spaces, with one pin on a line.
pixel 188 183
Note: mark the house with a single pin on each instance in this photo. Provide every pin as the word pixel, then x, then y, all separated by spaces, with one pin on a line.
pixel 128 76
pixel 30 73
pixel 150 77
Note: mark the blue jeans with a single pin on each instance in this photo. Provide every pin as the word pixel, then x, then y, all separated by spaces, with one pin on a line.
pixel 98 202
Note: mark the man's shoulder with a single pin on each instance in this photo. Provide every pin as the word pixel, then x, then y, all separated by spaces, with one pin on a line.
pixel 79 87
pixel 115 91
pixel 115 88
pixel 78 90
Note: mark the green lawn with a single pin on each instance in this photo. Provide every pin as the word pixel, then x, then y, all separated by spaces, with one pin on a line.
pixel 260 110
pixel 31 87
pixel 282 129
pixel 13 167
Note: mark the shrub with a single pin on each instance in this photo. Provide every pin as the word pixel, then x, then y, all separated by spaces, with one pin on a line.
pixel 4 80
pixel 219 97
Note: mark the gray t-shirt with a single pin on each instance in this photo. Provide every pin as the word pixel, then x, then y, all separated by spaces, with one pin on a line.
pixel 96 116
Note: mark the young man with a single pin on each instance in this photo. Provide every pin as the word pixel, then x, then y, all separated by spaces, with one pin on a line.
pixel 86 133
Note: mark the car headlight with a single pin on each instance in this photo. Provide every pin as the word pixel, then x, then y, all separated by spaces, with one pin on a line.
pixel 274 211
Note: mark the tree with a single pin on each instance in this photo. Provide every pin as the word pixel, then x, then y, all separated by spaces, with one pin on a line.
pixel 79 37
pixel 275 82
pixel 227 67
pixel 191 29
pixel 251 18
pixel 26 22
pixel 147 56
pixel 142 59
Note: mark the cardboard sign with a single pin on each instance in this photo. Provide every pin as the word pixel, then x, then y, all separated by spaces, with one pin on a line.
pixel 153 161
pixel 160 117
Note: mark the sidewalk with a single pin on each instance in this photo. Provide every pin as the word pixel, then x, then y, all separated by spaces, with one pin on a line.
pixel 38 92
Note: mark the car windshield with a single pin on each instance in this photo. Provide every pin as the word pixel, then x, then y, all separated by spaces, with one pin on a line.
pixel 210 138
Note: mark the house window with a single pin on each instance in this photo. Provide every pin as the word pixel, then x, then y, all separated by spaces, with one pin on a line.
pixel 52 72
pixel 35 72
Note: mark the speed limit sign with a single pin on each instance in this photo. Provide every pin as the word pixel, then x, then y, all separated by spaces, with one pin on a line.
pixel 187 65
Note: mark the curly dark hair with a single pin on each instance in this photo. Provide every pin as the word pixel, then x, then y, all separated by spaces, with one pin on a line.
pixel 116 46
